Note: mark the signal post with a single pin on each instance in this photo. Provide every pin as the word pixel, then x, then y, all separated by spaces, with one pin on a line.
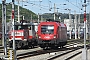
pixel 84 52
pixel 14 50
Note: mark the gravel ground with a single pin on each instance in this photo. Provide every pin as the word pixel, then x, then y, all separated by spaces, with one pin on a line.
pixel 45 56
pixel 79 57
pixel 39 57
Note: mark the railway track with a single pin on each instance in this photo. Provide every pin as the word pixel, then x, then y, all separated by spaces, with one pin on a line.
pixel 74 50
pixel 40 51
pixel 66 50
pixel 65 55
pixel 49 56
pixel 30 53
pixel 1 49
pixel 68 54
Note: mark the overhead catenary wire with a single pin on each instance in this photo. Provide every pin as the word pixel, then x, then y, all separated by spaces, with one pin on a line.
pixel 74 4
pixel 43 7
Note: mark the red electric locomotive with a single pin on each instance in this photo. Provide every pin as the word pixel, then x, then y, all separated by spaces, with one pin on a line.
pixel 52 34
pixel 25 35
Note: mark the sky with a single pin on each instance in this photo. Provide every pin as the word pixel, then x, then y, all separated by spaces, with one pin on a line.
pixel 47 6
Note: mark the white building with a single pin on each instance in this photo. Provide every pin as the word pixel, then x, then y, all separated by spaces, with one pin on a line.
pixel 69 23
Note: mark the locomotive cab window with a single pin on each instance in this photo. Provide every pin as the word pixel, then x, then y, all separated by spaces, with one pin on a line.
pixel 47 29
pixel 20 27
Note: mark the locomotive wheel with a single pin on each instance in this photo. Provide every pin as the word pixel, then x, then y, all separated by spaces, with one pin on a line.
pixel 54 47
pixel 18 44
pixel 27 45
pixel 35 43
pixel 10 44
pixel 42 46
pixel 61 46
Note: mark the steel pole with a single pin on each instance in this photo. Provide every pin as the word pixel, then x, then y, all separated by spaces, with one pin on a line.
pixel 31 18
pixel 2 22
pixel 70 23
pixel 4 26
pixel 38 18
pixel 84 24
pixel 54 11
pixel 75 25
pixel 79 27
pixel 86 30
pixel 42 17
pixel 84 52
pixel 5 31
pixel 13 16
pixel 18 12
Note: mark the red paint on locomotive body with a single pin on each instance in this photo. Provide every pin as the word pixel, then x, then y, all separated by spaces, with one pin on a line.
pixel 19 35
pixel 52 33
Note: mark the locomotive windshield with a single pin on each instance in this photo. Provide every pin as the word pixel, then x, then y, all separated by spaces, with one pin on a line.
pixel 21 27
pixel 47 29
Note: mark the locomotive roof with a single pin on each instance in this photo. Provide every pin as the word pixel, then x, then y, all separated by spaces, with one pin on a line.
pixel 51 20
pixel 16 23
pixel 50 23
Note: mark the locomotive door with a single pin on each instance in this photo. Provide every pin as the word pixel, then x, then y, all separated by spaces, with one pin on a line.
pixel 31 31
pixel 60 33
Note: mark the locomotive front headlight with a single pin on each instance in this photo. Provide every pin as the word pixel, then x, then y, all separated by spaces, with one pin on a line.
pixel 54 37
pixel 39 37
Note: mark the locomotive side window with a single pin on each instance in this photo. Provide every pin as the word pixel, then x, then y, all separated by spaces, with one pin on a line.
pixel 29 27
pixel 17 27
pixel 47 29
pixel 20 27
pixel 24 27
pixel 33 27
